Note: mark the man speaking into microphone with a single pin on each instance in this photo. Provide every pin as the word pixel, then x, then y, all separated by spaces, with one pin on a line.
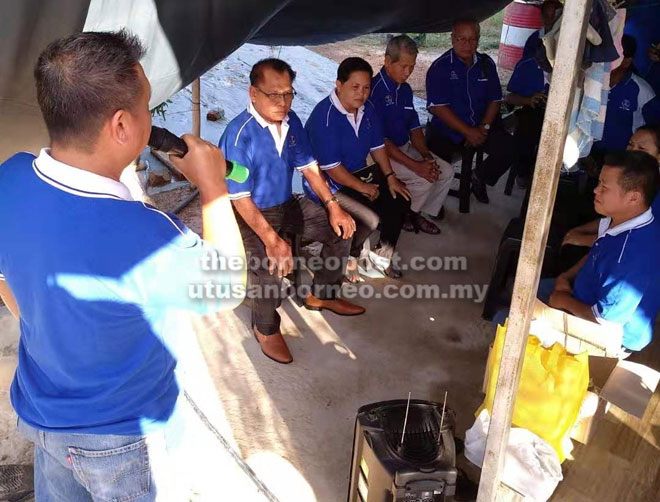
pixel 95 277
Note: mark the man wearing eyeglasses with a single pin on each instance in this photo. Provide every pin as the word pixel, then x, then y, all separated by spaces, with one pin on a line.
pixel 269 138
pixel 463 94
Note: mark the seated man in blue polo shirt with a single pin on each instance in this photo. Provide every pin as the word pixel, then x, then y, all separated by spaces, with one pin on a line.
pixel 528 89
pixel 463 94
pixel 428 178
pixel 99 280
pixel 269 138
pixel 343 130
pixel 627 97
pixel 619 280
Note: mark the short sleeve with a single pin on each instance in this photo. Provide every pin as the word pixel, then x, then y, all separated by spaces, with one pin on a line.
pixel 651 112
pixel 516 83
pixel 2 276
pixel 646 95
pixel 187 273
pixel 494 85
pixel 437 86
pixel 324 138
pixel 303 157
pixel 409 108
pixel 236 147
pixel 621 292
pixel 377 140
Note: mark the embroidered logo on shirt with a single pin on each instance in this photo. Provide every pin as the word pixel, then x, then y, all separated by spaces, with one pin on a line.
pixel 388 100
pixel 625 105
pixel 367 121
pixel 292 140
pixel 453 75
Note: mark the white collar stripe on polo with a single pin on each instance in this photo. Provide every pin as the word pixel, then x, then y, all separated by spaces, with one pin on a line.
pixel 278 137
pixel 355 124
pixel 77 181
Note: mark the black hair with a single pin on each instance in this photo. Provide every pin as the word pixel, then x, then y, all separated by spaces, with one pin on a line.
pixel 277 65
pixel 655 132
pixel 638 172
pixel 83 79
pixel 350 65
pixel 629 45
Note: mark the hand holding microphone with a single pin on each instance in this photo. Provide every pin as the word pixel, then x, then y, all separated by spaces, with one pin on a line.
pixel 201 162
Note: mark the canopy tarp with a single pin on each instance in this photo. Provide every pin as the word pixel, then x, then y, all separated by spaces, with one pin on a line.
pixel 186 38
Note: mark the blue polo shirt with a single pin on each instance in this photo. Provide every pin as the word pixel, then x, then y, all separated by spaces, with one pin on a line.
pixel 466 90
pixel 339 137
pixel 100 281
pixel 532 44
pixel 271 157
pixel 394 104
pixel 527 79
pixel 621 278
pixel 624 113
pixel 651 112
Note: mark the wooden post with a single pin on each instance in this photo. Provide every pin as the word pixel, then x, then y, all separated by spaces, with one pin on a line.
pixel 196 119
pixel 539 213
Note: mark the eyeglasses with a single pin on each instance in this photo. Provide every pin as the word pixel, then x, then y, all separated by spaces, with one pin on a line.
pixel 275 97
pixel 467 40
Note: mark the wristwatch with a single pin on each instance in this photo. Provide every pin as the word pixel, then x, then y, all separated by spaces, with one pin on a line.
pixel 330 200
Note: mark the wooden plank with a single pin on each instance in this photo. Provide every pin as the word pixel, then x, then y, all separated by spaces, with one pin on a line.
pixel 544 188
pixel 196 118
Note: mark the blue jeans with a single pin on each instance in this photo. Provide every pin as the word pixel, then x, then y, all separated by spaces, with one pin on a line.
pixel 99 467
pixel 546 288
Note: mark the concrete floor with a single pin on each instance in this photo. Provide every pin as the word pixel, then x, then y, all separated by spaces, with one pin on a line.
pixel 294 424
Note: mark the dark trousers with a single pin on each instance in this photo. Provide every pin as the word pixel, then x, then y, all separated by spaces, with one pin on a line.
pixel 297 216
pixel 500 148
pixel 389 210
pixel 366 219
pixel 527 137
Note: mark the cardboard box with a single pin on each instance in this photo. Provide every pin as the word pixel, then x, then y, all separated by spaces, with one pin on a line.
pixel 625 384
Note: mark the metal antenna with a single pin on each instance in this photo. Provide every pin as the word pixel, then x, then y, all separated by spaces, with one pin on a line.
pixel 405 420
pixel 442 419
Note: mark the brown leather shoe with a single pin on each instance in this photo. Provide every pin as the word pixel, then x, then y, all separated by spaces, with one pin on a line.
pixel 274 347
pixel 338 306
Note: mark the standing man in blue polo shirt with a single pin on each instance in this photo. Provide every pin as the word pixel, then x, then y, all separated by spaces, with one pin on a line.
pixel 619 280
pixel 428 178
pixel 270 139
pixel 627 97
pixel 98 280
pixel 463 94
pixel 528 89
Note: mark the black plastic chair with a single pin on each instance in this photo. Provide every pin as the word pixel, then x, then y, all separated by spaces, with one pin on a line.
pixel 501 282
pixel 465 177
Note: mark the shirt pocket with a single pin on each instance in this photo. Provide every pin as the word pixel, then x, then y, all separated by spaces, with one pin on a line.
pixel 117 475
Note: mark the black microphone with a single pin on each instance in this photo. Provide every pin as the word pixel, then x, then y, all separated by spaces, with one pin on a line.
pixel 163 140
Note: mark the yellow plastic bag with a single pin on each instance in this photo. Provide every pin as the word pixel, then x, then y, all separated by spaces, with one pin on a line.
pixel 553 385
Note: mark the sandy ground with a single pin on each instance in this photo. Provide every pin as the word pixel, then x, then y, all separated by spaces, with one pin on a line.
pixel 372 49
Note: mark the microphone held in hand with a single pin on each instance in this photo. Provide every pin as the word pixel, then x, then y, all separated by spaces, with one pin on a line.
pixel 163 140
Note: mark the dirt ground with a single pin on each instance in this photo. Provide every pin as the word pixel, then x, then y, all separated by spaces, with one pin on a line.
pixel 372 49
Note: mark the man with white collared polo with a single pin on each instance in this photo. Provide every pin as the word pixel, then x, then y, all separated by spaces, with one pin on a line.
pixel 99 281
pixel 463 94
pixel 428 178
pixel 628 95
pixel 619 280
pixel 269 138
pixel 344 130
